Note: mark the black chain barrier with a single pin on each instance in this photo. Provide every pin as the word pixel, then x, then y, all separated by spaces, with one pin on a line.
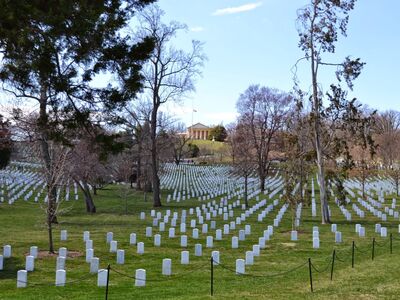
pixel 81 279
pixel 262 275
pixel 170 277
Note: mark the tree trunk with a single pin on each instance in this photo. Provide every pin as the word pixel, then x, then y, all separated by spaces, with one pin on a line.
pixel 45 152
pixel 139 166
pixel 90 207
pixel 154 158
pixel 245 191
pixel 262 182
pixel 318 146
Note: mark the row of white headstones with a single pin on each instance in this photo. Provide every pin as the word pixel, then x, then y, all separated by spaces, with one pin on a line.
pixel 60 278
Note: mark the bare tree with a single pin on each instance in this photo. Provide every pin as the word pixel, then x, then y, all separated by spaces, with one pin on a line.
pixel 168 76
pixel 319 24
pixel 87 169
pixel 264 111
pixel 245 162
pixel 387 135
pixel 179 142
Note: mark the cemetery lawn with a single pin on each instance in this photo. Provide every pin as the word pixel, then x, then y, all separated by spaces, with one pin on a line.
pixel 22 226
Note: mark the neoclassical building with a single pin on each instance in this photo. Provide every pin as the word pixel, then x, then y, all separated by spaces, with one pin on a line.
pixel 199 131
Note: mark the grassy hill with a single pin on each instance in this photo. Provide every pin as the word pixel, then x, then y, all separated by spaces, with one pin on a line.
pixel 22 225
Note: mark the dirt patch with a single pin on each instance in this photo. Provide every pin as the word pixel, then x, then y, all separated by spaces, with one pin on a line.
pixel 289 244
pixel 45 254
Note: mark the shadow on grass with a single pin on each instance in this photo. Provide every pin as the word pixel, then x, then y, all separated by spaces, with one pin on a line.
pixel 11 266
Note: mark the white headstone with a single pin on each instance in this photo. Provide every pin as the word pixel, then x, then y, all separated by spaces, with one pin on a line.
pixel 166 266
pixel 89 255
pixel 60 265
pixel 383 232
pixel 33 251
pixel 63 235
pixel 132 239
pixel 242 235
pixel 240 266
pixel 361 233
pixel 195 233
pixel 149 231
pixel 249 258
pixel 183 241
pixel 63 252
pixel 102 277
pixel 94 265
pixel 140 277
pixel 338 237
pixel 120 257
pixel 157 240
pixel 235 242
pixel 293 235
pixel 113 246
pixel 89 244
pixel 256 250
pixel 247 229
pixel 204 228
pixel 1 262
pixel 209 242
pixel 7 251
pixel 198 250
pixel 86 235
pixel 140 248
pixel 218 234
pixel 109 237
pixel 61 276
pixel 215 257
pixel 22 278
pixel 29 263
pixel 316 243
pixel 185 257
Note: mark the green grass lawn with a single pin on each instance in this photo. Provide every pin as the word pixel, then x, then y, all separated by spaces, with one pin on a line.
pixel 22 225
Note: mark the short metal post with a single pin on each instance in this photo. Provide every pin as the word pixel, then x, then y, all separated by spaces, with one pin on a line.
pixel 108 279
pixel 310 271
pixel 391 243
pixel 352 254
pixel 212 277
pixel 333 263
pixel 373 248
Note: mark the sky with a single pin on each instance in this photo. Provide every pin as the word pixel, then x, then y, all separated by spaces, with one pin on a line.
pixel 255 42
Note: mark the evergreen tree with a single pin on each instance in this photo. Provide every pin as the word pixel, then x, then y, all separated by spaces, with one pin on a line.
pixel 52 50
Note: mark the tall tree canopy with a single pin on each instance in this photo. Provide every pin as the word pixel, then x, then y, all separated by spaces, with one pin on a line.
pixel 263 111
pixel 218 133
pixel 5 143
pixel 319 25
pixel 52 50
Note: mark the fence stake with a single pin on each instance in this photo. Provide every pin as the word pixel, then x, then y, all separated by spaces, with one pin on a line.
pixel 352 255
pixel 212 277
pixel 391 243
pixel 373 248
pixel 108 279
pixel 309 268
pixel 333 262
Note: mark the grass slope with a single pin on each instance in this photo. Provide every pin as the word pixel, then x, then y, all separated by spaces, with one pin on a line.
pixel 22 225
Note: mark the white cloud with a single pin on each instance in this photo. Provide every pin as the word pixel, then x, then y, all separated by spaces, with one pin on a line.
pixel 197 29
pixel 236 9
